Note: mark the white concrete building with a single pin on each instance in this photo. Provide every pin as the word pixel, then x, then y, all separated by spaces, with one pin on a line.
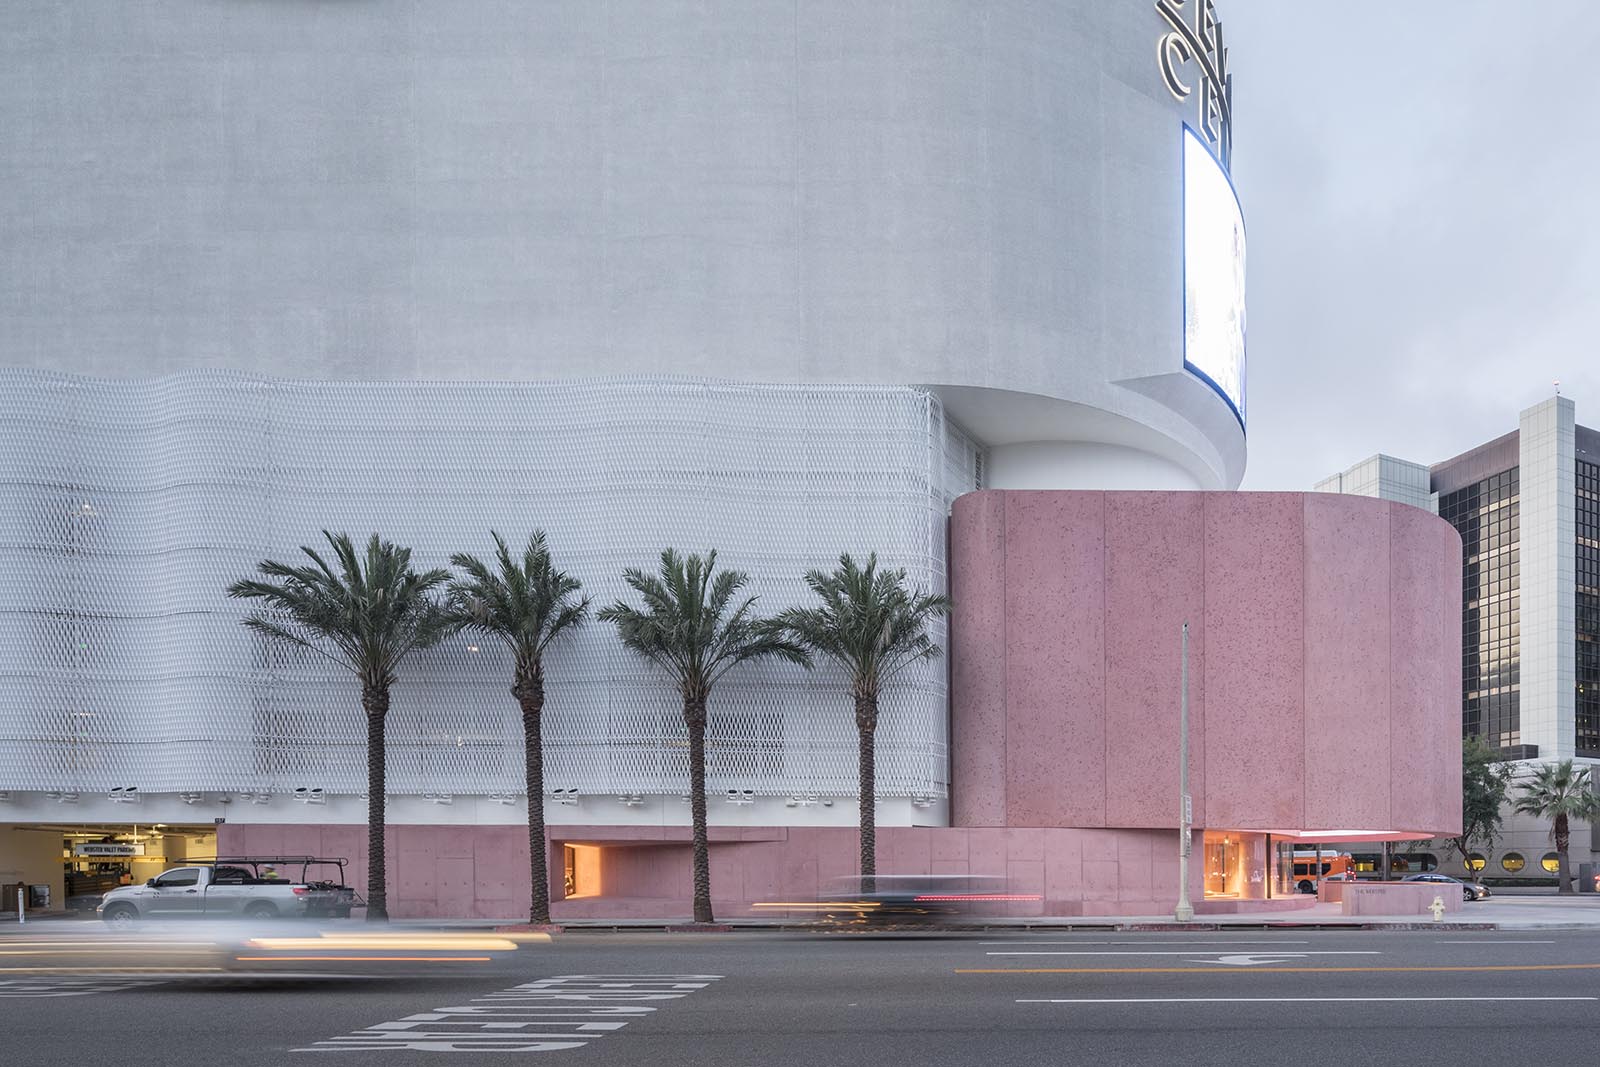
pixel 780 279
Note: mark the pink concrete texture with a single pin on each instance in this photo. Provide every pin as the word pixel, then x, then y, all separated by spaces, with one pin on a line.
pixel 482 871
pixel 1324 653
pixel 1397 898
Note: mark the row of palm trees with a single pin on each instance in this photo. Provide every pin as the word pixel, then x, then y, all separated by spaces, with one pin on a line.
pixel 367 610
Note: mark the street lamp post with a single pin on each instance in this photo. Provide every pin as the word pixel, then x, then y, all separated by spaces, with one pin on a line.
pixel 1184 912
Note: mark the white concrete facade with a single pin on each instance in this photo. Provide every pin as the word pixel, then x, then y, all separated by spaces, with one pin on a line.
pixel 779 277
pixel 981 199
pixel 1549 678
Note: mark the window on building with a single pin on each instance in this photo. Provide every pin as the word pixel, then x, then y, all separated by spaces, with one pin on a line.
pixel 1586 706
pixel 1476 861
pixel 1513 862
pixel 1486 515
pixel 1551 862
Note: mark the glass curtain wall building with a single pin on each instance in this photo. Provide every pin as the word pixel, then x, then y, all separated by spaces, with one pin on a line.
pixel 1527 507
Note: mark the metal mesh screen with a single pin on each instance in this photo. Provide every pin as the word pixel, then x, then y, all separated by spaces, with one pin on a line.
pixel 126 507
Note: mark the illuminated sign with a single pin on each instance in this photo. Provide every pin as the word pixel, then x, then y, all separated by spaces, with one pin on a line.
pixel 1191 56
pixel 1213 275
pixel 106 849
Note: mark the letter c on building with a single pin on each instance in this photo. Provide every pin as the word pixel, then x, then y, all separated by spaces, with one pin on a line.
pixel 1171 52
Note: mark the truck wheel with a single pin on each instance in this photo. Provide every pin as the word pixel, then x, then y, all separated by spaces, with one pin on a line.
pixel 121 915
pixel 261 910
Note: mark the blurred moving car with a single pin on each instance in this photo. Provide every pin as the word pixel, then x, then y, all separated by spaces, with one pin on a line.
pixel 908 898
pixel 1469 890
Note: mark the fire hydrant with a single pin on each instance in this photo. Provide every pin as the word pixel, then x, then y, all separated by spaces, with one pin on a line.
pixel 1437 907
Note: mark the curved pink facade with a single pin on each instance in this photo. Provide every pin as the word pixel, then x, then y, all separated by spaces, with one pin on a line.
pixel 1325 654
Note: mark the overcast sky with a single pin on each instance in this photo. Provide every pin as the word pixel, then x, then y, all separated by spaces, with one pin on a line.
pixel 1419 181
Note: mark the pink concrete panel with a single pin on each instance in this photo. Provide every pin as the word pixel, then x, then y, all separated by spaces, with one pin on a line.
pixel 986 852
pixel 1424 706
pixel 1346 662
pixel 978 659
pixel 1254 673
pixel 1393 898
pixel 1154 559
pixel 1134 866
pixel 1024 844
pixel 946 847
pixel 1055 659
pixel 1063 867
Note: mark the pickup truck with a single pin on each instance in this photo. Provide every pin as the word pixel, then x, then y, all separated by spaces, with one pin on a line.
pixel 244 887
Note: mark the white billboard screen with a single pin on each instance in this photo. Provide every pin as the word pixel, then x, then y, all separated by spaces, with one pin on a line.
pixel 1213 275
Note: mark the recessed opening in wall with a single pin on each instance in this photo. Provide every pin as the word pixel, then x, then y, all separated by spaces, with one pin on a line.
pixel 581 871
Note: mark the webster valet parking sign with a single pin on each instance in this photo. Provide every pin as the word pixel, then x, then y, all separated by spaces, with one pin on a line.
pixel 102 848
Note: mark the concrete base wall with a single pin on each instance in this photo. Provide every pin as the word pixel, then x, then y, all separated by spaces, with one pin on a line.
pixel 644 872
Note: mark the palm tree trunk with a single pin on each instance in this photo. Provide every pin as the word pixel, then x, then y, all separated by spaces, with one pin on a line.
pixel 694 715
pixel 375 702
pixel 530 696
pixel 1563 836
pixel 866 735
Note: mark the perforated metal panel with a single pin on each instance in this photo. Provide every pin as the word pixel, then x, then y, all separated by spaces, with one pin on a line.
pixel 126 507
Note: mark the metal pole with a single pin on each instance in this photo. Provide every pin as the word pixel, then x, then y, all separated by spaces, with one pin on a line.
pixel 1184 911
pixel 22 916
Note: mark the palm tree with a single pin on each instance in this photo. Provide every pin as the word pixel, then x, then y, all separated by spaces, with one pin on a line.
pixel 526 604
pixel 365 614
pixel 874 628
pixel 1559 793
pixel 687 629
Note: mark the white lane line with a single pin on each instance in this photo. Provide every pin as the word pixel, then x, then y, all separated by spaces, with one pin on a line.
pixel 1466 942
pixel 1183 941
pixel 1299 1000
pixel 1189 953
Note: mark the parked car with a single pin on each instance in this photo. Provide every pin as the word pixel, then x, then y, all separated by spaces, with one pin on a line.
pixel 244 887
pixel 1469 890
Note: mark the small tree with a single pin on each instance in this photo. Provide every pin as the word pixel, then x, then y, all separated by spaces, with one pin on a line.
pixel 687 629
pixel 366 614
pixel 1484 782
pixel 525 604
pixel 871 625
pixel 1559 793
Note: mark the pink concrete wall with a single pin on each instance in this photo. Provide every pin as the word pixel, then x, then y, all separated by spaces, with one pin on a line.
pixel 1323 659
pixel 482 871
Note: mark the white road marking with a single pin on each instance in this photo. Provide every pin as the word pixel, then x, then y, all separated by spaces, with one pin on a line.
pixel 550 1015
pixel 1467 942
pixel 1166 953
pixel 67 986
pixel 1296 1000
pixel 1183 941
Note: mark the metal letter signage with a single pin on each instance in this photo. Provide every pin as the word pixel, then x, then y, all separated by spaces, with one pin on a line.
pixel 1199 45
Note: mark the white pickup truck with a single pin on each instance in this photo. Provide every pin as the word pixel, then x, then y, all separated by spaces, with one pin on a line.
pixel 236 887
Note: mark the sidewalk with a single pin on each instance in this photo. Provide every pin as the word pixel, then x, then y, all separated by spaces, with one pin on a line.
pixel 1496 913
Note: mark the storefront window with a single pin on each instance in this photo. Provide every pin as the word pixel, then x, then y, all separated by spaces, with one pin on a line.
pixel 1513 862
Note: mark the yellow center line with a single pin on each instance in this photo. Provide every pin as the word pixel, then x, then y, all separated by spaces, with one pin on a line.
pixel 1276 970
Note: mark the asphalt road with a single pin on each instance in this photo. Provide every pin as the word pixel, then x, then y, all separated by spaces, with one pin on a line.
pixel 1240 998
